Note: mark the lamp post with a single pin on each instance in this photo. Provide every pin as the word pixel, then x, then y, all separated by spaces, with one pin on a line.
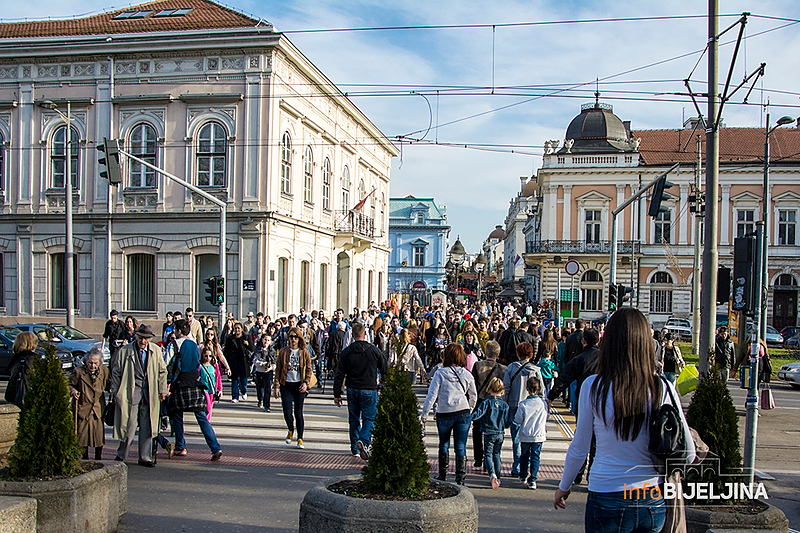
pixel 765 207
pixel 457 256
pixel 69 252
pixel 479 265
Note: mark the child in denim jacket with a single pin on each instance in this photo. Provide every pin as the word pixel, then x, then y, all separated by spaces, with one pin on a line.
pixel 494 416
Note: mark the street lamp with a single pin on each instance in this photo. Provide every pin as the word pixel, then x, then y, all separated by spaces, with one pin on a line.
pixel 480 266
pixel 764 244
pixel 69 252
pixel 457 256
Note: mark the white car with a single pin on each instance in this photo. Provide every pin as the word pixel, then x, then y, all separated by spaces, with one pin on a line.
pixel 679 327
pixel 790 373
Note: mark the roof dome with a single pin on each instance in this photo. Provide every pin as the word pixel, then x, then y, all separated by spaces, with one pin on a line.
pixel 497 233
pixel 597 129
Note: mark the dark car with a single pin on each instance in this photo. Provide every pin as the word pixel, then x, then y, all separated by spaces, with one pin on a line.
pixel 7 336
pixel 789 331
pixel 67 338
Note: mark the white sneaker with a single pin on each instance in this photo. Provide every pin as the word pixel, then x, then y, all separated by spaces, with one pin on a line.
pixel 234 401
pixel 244 397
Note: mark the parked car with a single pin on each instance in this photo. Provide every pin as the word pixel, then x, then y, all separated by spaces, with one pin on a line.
pixel 773 337
pixel 790 373
pixel 67 338
pixel 794 340
pixel 679 327
pixel 788 332
pixel 7 336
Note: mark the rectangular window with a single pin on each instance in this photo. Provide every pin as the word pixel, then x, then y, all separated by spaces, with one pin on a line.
pixel 380 285
pixel 419 256
pixel 323 286
pixel 592 299
pixel 283 265
pixel 661 301
pixel 745 222
pixel 370 276
pixel 593 226
pixel 304 275
pixel 358 287
pixel 141 282
pixel 786 227
pixel 663 225
pixel 58 281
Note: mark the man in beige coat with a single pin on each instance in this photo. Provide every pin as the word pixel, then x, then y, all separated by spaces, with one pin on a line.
pixel 138 383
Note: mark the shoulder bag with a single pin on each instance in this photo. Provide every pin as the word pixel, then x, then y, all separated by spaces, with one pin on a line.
pixel 184 398
pixel 767 400
pixel 667 439
pixel 108 412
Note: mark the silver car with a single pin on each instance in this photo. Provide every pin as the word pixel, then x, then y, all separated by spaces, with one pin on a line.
pixel 66 338
pixel 679 327
pixel 790 373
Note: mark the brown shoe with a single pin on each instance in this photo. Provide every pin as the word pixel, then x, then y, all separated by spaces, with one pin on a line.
pixel 216 456
pixel 170 450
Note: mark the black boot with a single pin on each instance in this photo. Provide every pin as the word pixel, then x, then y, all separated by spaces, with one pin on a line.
pixel 85 455
pixel 444 466
pixel 461 469
pixel 98 453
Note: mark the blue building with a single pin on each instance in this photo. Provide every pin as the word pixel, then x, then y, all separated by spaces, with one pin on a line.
pixel 419 237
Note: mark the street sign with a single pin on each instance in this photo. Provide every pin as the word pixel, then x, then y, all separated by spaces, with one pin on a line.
pixel 249 285
pixel 572 267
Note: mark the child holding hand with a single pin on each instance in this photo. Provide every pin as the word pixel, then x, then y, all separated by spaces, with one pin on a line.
pixel 494 416
pixel 532 419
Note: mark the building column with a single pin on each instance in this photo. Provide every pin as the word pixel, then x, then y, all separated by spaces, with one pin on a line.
pixel 683 225
pixel 567 218
pixel 725 216
pixel 621 236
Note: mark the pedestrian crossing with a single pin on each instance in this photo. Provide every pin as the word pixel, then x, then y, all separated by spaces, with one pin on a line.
pixel 243 424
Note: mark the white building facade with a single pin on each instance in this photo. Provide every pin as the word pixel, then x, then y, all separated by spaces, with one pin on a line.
pixel 220 100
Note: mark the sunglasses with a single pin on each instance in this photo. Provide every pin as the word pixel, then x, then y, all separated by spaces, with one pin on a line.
pixel 293 337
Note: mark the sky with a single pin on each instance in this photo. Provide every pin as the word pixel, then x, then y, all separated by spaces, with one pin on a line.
pixel 474 104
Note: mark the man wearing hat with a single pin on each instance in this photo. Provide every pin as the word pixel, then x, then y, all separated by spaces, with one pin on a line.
pixel 138 384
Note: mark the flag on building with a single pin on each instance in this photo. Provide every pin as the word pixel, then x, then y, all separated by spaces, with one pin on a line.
pixel 360 204
pixel 517 261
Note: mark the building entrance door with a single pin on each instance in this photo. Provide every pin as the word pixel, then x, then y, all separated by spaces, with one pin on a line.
pixel 784 308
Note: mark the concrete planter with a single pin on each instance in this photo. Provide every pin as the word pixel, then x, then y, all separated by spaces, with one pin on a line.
pixel 323 511
pixel 89 503
pixel 700 520
pixel 9 415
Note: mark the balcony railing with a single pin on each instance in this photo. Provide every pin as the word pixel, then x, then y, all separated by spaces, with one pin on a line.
pixel 356 223
pixel 579 247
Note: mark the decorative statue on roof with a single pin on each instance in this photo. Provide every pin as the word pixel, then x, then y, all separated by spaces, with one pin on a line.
pixel 635 143
pixel 568 145
pixel 547 147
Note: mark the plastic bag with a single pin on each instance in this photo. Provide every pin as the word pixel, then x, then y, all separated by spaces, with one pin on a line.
pixel 687 380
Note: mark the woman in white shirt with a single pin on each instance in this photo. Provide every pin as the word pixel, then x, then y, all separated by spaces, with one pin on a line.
pixel 453 390
pixel 615 406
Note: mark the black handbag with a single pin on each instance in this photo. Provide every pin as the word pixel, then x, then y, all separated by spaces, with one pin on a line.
pixel 108 412
pixel 667 438
pixel 17 385
pixel 192 399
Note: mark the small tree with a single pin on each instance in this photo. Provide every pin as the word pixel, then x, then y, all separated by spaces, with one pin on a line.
pixel 399 461
pixel 712 414
pixel 46 444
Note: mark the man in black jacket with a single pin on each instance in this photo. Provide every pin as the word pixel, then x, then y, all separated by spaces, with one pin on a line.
pixel 723 352
pixel 360 363
pixel 579 368
pixel 573 345
pixel 511 338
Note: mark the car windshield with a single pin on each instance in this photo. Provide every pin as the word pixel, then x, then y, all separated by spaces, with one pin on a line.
pixel 71 334
pixel 772 330
pixel 11 333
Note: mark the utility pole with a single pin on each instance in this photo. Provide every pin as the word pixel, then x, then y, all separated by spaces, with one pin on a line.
pixel 708 307
pixel 696 273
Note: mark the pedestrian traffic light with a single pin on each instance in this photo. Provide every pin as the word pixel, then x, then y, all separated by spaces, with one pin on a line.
pixel 623 294
pixel 110 160
pixel 658 196
pixel 612 298
pixel 211 289
pixel 219 290
pixel 744 255
pixel 723 284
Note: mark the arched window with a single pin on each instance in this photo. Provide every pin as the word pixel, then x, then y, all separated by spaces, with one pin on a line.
pixel 345 189
pixel 2 164
pixel 211 155
pixel 141 282
pixel 143 146
pixel 58 157
pixel 661 293
pixel 326 184
pixel 592 289
pixel 286 163
pixel 282 288
pixel 785 280
pixel 362 190
pixel 308 175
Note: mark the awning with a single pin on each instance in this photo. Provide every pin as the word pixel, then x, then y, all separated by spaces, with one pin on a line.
pixel 510 292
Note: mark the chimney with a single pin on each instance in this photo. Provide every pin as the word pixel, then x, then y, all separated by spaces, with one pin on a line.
pixel 523 180
pixel 627 124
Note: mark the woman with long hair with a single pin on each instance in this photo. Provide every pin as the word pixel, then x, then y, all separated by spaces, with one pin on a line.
pixel 453 390
pixel 217 357
pixel 615 406
pixel 405 353
pixel 293 372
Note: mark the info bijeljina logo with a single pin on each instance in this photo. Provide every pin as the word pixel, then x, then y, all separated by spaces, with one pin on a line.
pixel 705 491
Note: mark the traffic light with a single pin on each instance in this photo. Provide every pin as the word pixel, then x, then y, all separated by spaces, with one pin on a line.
pixel 219 290
pixel 744 259
pixel 612 298
pixel 723 285
pixel 623 294
pixel 658 196
pixel 110 160
pixel 211 289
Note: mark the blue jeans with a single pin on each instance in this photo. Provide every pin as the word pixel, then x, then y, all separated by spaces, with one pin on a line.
pixel 573 400
pixel 530 457
pixel 492 445
pixel 548 382
pixel 458 425
pixel 205 427
pixel 671 376
pixel 621 512
pixel 362 405
pixel 515 446
pixel 240 382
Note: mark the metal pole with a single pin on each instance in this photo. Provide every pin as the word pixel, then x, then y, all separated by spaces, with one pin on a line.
pixel 222 311
pixel 696 269
pixel 69 252
pixel 572 297
pixel 612 272
pixel 558 298
pixel 765 207
pixel 751 404
pixel 708 308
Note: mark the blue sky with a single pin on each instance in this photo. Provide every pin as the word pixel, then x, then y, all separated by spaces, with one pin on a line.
pixel 474 184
